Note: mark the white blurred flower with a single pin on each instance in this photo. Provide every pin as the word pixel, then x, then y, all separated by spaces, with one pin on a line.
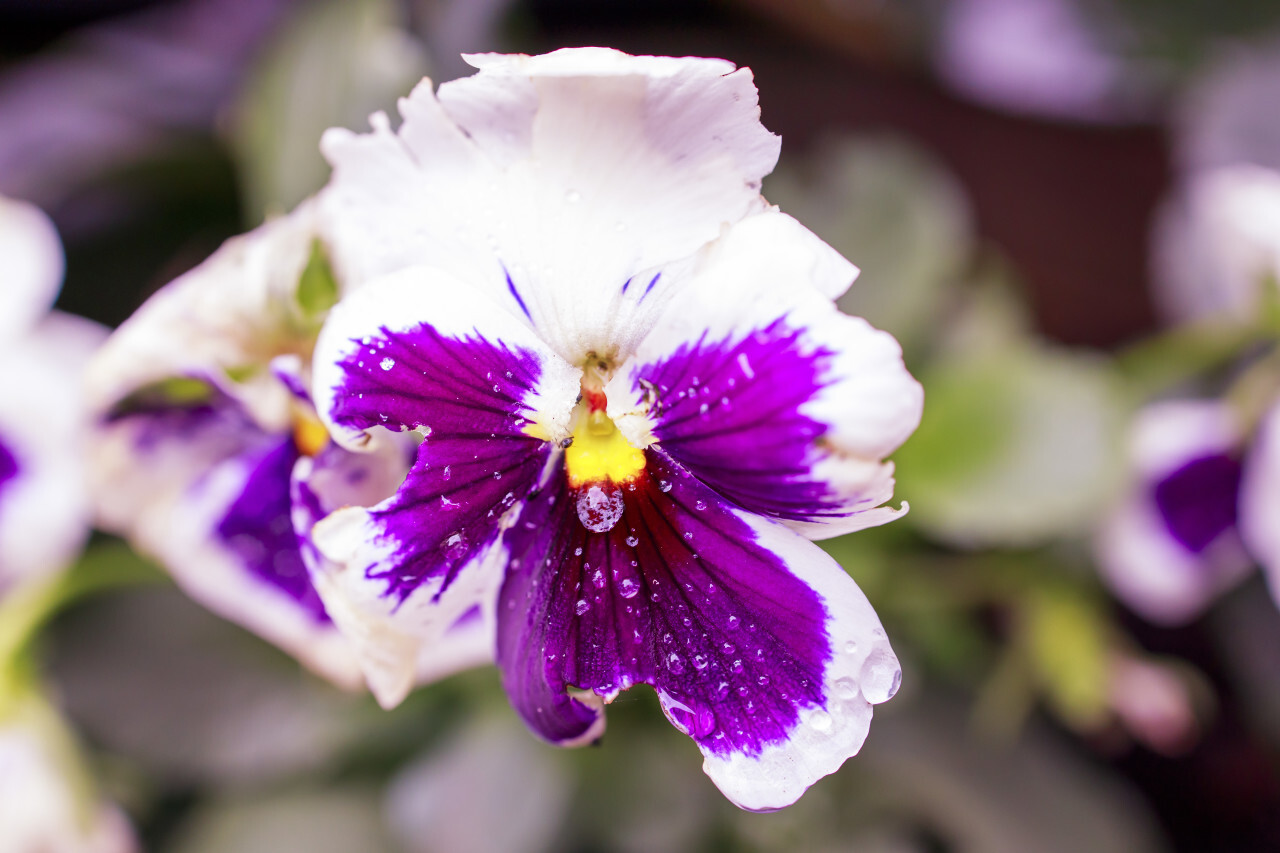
pixel 1216 244
pixel 44 514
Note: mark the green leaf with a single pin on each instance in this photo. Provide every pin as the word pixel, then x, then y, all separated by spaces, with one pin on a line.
pixel 317 288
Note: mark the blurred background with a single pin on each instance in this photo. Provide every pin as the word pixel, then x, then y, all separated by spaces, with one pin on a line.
pixel 1011 175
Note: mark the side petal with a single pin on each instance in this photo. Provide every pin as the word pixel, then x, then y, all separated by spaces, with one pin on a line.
pixel 44 494
pixel 418 351
pixel 563 186
pixel 334 479
pixel 776 400
pixel 761 647
pixel 33 266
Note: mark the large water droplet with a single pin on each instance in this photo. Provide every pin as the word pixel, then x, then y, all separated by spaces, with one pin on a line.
pixel 880 676
pixel 694 720
pixel 387 363
pixel 600 507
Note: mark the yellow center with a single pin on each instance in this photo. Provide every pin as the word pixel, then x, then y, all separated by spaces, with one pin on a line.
pixel 600 452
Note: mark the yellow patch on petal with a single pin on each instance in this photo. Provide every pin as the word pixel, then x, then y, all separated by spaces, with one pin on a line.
pixel 600 453
pixel 309 435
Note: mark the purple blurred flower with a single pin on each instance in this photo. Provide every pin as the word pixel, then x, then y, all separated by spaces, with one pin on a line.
pixel 637 404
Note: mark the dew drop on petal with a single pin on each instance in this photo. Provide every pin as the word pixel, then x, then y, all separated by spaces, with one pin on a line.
pixel 455 546
pixel 700 662
pixel 722 690
pixel 846 689
pixel 675 663
pixel 633 540
pixel 732 622
pixel 446 473
pixel 736 666
pixel 664 485
pixel 582 607
pixel 628 588
pixel 598 579
pixel 820 721
pixel 700 505
pixel 880 676
pixel 387 363
pixel 600 507
pixel 851 647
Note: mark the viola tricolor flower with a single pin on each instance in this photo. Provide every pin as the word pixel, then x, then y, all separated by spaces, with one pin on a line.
pixel 44 509
pixel 636 401
pixel 202 418
pixel 1174 543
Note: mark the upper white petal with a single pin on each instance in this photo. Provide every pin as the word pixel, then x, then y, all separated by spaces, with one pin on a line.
pixel 572 173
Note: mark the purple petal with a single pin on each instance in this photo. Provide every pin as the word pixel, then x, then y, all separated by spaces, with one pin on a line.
pixel 1199 501
pixel 732 412
pixel 685 594
pixel 258 530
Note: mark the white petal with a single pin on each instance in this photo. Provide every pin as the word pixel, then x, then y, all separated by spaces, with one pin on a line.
pixel 44 510
pixel 571 173
pixel 233 310
pixel 33 266
pixel 863 672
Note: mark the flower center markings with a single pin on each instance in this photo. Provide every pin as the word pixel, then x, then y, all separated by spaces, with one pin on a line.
pixel 600 461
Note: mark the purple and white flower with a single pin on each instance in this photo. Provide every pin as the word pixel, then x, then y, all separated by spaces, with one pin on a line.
pixel 636 400
pixel 203 417
pixel 1173 544
pixel 1260 499
pixel 44 509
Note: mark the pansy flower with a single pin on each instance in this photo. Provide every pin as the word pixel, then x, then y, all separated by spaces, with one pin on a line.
pixel 44 509
pixel 203 417
pixel 637 403
pixel 1173 543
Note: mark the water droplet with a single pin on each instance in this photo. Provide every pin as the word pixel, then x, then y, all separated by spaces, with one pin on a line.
pixel 728 648
pixel 508 499
pixel 600 507
pixel 675 663
pixel 455 546
pixel 735 667
pixel 722 690
pixel 664 485
pixel 598 579
pixel 633 541
pixel 851 647
pixel 845 688
pixel 577 552
pixel 628 588
pixel 732 622
pixel 763 681
pixel 446 473
pixel 582 607
pixel 700 661
pixel 694 720
pixel 497 475
pixel 387 363
pixel 667 638
pixel 820 721
pixel 447 504
pixel 700 505
pixel 880 677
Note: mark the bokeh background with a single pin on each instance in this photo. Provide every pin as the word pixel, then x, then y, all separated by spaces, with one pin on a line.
pixel 998 168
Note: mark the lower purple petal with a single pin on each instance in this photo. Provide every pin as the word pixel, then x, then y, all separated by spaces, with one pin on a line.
pixel 1199 501
pixel 679 595
pixel 8 466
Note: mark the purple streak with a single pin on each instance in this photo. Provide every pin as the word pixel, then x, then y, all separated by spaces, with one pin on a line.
pixel 730 413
